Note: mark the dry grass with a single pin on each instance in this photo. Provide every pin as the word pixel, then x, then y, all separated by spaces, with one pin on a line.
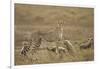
pixel 78 27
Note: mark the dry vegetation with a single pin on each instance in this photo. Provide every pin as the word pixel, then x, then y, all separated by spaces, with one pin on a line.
pixel 78 27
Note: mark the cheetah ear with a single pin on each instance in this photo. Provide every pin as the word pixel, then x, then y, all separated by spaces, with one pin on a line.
pixel 89 38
